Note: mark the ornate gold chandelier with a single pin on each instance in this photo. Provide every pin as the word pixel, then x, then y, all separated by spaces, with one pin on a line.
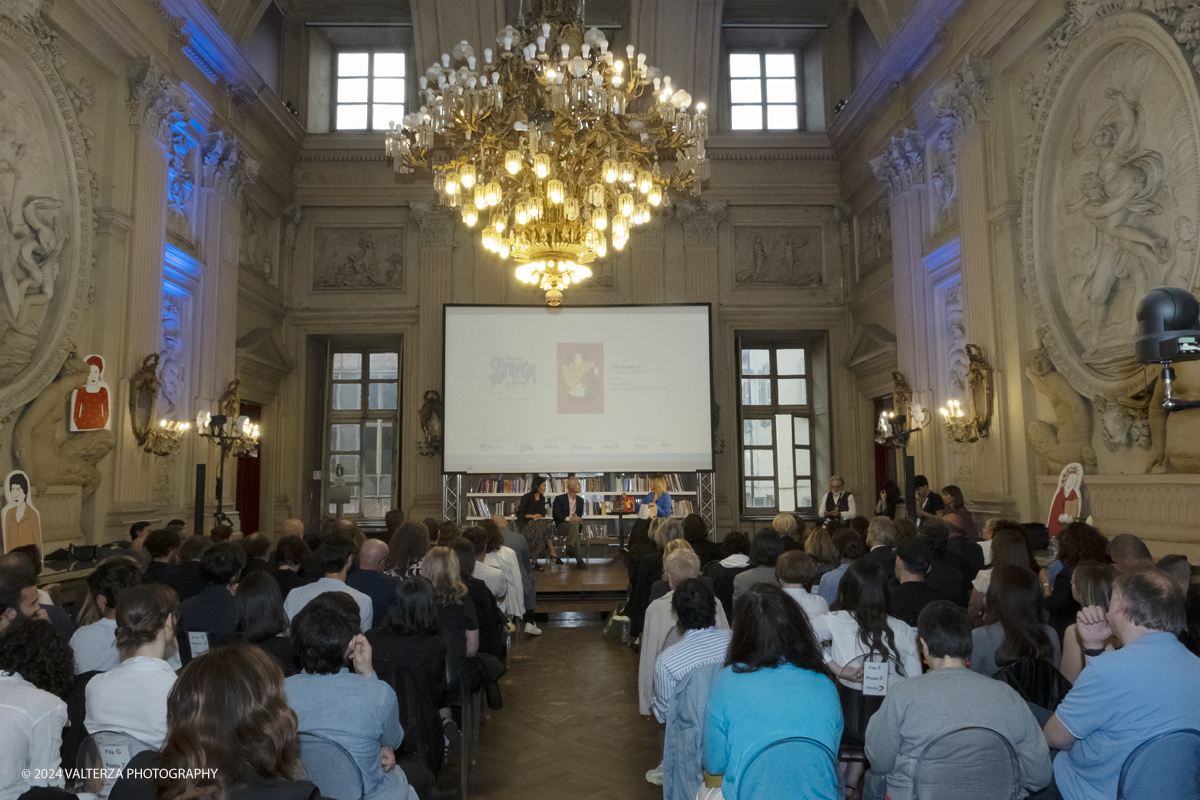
pixel 554 141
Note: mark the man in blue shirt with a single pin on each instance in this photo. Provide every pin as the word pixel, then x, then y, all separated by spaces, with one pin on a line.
pixel 851 548
pixel 1124 697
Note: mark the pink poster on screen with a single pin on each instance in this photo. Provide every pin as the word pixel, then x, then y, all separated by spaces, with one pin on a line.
pixel 580 378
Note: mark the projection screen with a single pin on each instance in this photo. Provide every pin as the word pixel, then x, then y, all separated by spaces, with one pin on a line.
pixel 590 389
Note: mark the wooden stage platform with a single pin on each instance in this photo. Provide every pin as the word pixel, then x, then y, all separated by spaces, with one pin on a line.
pixel 564 588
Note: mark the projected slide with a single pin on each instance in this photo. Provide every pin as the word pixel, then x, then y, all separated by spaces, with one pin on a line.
pixel 577 389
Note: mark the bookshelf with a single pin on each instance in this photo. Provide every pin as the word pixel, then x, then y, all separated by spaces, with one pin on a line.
pixel 474 497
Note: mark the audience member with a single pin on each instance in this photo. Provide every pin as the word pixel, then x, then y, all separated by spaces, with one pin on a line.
pixel 492 577
pixel 928 503
pixel 794 573
pixel 504 558
pixel 291 554
pixel 1009 548
pixel 1149 686
pixel 859 525
pixel 1127 551
pixel 911 594
pixel 487 612
pixel 850 547
pixel 188 582
pixel 36 672
pixel 407 639
pixel 18 594
pixel 1179 569
pixel 448 532
pixel 520 546
pixel 365 718
pixel 258 550
pixel 964 554
pixel 370 579
pixel 825 556
pixel 640 541
pixel 230 733
pixel 220 533
pixel 95 645
pixel 406 548
pixel 661 587
pixel 213 614
pixel 1091 585
pixel 1012 624
pixel 1077 542
pixel 1190 635
pixel 775 685
pixel 881 536
pixel 647 569
pixel 764 553
pixel 458 620
pixel 696 533
pixel 262 620
pixel 889 500
pixel 735 559
pixel 334 558
pixel 145 628
pixel 31 554
pixel 392 521
pixel 916 712
pixel 956 515
pixel 431 529
pixel 137 541
pixel 905 529
pixel 837 504
pixel 162 546
pixel 943 577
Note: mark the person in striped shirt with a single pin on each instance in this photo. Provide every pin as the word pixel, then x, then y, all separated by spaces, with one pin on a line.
pixel 703 642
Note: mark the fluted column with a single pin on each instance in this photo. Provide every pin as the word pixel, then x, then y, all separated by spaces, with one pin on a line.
pixel 433 292
pixel 649 262
pixel 700 221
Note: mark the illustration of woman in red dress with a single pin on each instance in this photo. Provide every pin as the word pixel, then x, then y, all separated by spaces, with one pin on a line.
pixel 89 403
pixel 1067 499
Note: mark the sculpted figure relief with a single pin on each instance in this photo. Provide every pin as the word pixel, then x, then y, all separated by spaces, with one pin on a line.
pixel 1068 439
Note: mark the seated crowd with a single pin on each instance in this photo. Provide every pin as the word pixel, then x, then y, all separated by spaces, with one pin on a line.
pixel 881 660
pixel 186 651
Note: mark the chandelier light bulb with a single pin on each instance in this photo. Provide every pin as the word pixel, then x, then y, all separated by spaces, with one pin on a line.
pixel 492 193
pixel 625 204
pixel 451 182
pixel 620 228
pixel 504 249
pixel 470 216
pixel 654 195
pixel 554 191
pixel 601 249
pixel 600 218
pixel 571 208
pixel 480 198
pixel 522 214
pixel 625 172
pixel 595 195
pixel 466 176
pixel 541 165
pixel 498 222
pixel 609 169
pixel 512 162
pixel 644 181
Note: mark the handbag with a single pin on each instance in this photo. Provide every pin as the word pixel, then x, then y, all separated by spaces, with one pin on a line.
pixel 616 625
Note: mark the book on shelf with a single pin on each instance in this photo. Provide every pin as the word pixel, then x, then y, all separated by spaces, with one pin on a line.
pixel 639 484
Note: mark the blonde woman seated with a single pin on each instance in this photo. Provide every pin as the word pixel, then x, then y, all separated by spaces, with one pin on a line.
pixel 1091 585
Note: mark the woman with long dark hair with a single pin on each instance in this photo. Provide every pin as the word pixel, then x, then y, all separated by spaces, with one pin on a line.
pixel 1013 629
pixel 1009 548
pixel 406 548
pixel 775 685
pixel 1091 585
pixel 956 514
pixel 532 521
pixel 1078 542
pixel 262 620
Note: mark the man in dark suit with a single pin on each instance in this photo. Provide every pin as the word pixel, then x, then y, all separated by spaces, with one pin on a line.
pixel 881 533
pixel 162 545
pixel 568 517
pixel 214 611
pixel 188 583
pixel 928 503
pixel 370 580
pixel 291 554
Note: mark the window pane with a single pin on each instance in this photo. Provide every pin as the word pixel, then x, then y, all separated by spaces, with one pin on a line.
pixel 781 65
pixel 352 90
pixel 746 118
pixel 800 425
pixel 756 432
pixel 351 64
pixel 384 366
pixel 744 65
pixel 789 362
pixel 803 462
pixel 760 494
pixel 779 90
pixel 381 396
pixel 349 508
pixel 792 392
pixel 347 396
pixel 344 437
pixel 804 497
pixel 756 391
pixel 383 116
pixel 389 64
pixel 375 507
pixel 745 91
pixel 782 118
pixel 759 463
pixel 347 366
pixel 756 362
pixel 351 118
pixel 349 465
pixel 784 464
pixel 391 90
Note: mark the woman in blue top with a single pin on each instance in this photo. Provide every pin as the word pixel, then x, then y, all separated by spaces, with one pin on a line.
pixel 659 497
pixel 775 686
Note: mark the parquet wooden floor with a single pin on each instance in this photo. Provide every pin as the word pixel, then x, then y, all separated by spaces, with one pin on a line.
pixel 570 728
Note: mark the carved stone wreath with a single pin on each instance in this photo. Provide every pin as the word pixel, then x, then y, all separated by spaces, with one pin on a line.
pixel 1066 252
pixel 29 53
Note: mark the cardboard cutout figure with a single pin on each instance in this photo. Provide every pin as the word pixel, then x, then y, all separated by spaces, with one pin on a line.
pixel 89 403
pixel 1068 499
pixel 22 524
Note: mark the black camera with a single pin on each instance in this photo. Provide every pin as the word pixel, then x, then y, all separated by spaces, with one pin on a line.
pixel 1169 324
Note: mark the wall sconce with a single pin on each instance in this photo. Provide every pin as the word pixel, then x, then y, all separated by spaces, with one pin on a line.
pixel 165 438
pixel 973 424
pixel 893 430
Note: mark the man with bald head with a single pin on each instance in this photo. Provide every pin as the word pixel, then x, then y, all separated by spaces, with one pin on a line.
pixel 292 527
pixel 370 580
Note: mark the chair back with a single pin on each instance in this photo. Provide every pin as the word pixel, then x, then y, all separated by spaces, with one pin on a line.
pixel 331 767
pixel 1166 767
pixel 971 761
pixel 857 706
pixel 419 719
pixel 1037 681
pixel 105 753
pixel 795 767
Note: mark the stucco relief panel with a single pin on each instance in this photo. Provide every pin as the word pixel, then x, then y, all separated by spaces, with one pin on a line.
pixel 358 258
pixel 873 236
pixel 778 255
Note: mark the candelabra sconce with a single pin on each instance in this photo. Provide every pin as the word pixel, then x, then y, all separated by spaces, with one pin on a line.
pixel 165 438
pixel 893 430
pixel 233 436
pixel 974 423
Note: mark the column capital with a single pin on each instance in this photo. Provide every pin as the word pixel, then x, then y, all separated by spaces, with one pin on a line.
pixel 156 101
pixel 650 233
pixel 224 165
pixel 437 228
pixel 963 100
pixel 700 220
pixel 900 166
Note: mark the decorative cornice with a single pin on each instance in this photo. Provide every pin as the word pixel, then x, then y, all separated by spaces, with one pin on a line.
pixel 437 228
pixel 963 100
pixel 156 101
pixel 700 221
pixel 225 166
pixel 900 166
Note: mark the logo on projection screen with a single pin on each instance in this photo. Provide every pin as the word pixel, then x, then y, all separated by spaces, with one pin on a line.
pixel 580 378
